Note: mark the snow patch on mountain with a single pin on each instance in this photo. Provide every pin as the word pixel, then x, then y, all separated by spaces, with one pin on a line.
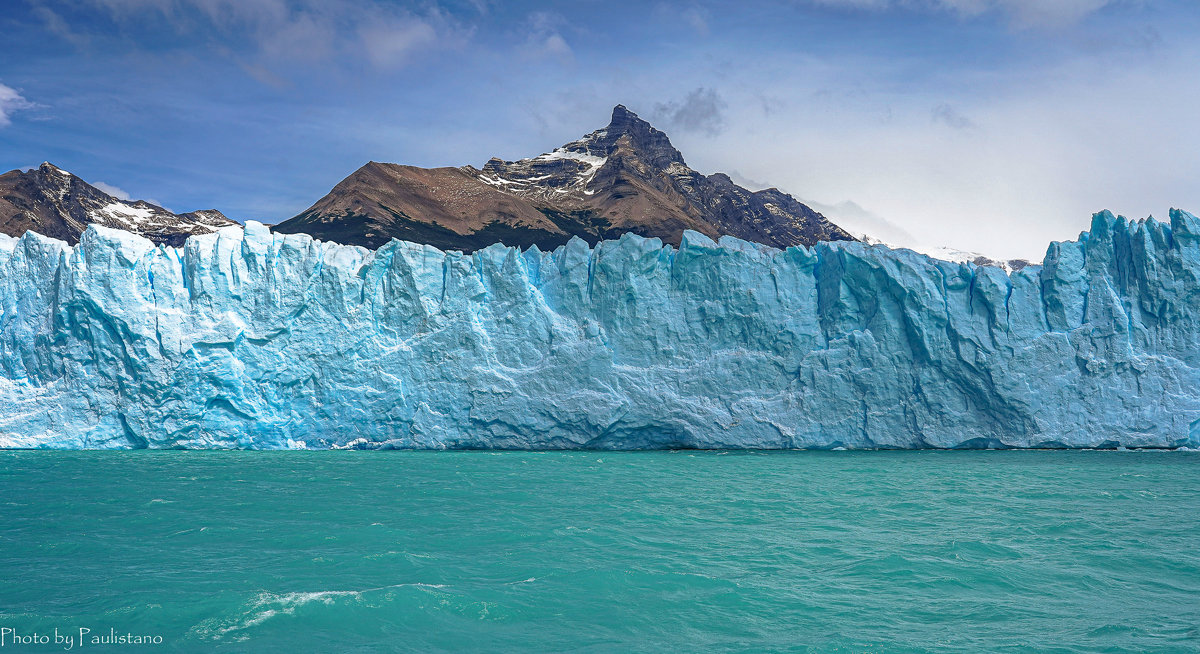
pixel 591 160
pixel 122 212
pixel 60 203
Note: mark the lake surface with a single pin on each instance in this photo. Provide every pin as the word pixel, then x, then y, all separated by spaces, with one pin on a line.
pixel 603 552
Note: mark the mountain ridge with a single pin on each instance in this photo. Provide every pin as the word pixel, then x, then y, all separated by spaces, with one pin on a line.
pixel 625 177
pixel 58 204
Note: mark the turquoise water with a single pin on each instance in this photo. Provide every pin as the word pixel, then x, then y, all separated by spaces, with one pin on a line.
pixel 604 552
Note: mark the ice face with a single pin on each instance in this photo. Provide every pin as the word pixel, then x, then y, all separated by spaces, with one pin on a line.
pixel 244 338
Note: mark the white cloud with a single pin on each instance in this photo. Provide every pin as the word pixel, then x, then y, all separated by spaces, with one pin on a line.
pixel 860 222
pixel 545 39
pixel 1041 147
pixel 304 30
pixel 57 26
pixel 121 194
pixel 11 102
pixel 1024 13
pixel 116 192
pixel 1031 12
pixel 393 43
pixel 556 45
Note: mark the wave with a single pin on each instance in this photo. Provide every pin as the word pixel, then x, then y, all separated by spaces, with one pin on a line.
pixel 267 605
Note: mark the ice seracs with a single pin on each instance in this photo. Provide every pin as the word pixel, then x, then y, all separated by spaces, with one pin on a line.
pixel 253 339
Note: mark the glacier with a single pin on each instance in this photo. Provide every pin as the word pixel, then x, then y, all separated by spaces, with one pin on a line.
pixel 248 339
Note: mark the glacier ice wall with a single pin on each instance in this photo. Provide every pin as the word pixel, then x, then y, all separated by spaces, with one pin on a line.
pixel 250 339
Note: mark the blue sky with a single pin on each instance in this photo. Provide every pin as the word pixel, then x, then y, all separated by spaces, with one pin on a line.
pixel 989 125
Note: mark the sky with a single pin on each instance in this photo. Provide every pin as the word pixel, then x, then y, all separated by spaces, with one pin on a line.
pixel 992 126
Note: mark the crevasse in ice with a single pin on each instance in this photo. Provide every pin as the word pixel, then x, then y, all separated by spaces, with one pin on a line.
pixel 250 339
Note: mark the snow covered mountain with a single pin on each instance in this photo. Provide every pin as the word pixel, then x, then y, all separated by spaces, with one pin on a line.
pixel 250 339
pixel 55 203
pixel 624 178
pixel 944 253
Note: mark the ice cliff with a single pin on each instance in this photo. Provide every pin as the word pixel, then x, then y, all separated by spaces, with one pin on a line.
pixel 258 340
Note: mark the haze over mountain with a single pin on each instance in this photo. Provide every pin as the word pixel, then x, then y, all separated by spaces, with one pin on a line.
pixel 626 177
pixel 55 203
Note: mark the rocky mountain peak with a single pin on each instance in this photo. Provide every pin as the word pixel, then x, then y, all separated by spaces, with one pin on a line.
pixel 570 174
pixel 625 177
pixel 50 177
pixel 494 165
pixel 628 131
pixel 55 203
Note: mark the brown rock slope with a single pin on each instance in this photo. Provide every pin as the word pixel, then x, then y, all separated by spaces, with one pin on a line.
pixel 626 177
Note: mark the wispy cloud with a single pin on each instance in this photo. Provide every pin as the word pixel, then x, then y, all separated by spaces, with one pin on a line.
pixel 115 191
pixel 947 115
pixel 545 39
pixel 282 31
pixel 697 18
pixel 1023 13
pixel 394 41
pixel 55 24
pixel 852 217
pixel 702 110
pixel 1034 13
pixel 11 102
pixel 121 194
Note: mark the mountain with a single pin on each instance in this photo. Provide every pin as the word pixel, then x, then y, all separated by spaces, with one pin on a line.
pixel 55 203
pixel 945 253
pixel 875 230
pixel 626 177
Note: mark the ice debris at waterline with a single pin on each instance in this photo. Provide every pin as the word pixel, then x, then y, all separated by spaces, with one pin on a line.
pixel 258 340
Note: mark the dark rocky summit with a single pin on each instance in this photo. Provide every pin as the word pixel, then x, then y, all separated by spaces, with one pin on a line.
pixel 55 203
pixel 626 177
